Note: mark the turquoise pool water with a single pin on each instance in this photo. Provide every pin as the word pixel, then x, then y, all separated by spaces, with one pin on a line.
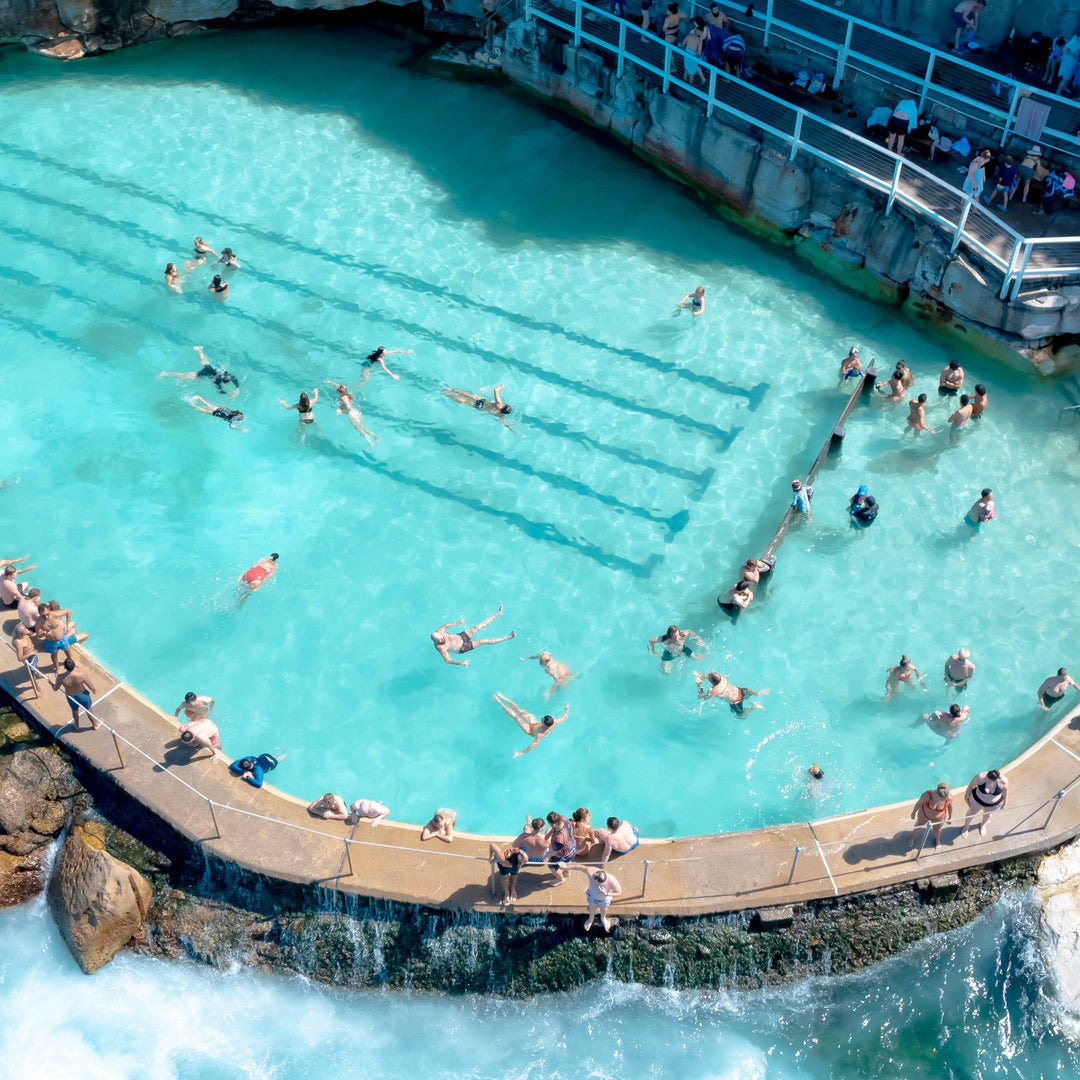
pixel 371 202
pixel 968 1004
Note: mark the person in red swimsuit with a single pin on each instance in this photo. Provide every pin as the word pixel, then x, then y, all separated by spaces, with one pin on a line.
pixel 934 808
pixel 254 577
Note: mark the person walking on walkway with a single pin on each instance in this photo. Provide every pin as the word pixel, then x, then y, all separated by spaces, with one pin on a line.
pixel 603 887
pixel 932 808
pixel 987 792
pixel 77 687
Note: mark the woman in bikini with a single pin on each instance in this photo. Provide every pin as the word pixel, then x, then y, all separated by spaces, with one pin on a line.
pixel 558 671
pixel 987 792
pixel 694 302
pixel 932 808
pixel 376 359
pixel 304 408
pixel 561 844
pixel 904 672
pixel 173 277
pixel 497 407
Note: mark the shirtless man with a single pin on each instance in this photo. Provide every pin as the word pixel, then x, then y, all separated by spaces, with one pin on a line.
pixel 674 641
pixel 329 807
pixel 532 839
pixel 496 407
pixel 894 389
pixel 959 669
pixel 58 632
pixel 620 837
pixel 982 510
pixel 528 723
pixel 904 672
pixel 735 696
pixel 951 378
pixel 367 808
pixel 201 734
pixel 738 596
pixel 1053 689
pixel 917 416
pixel 851 365
pixel 905 374
pixel 195 706
pixel 603 886
pixel 77 686
pixel 752 569
pixel 962 414
pixel 947 723
pixel 23 642
pixel 28 608
pixel 11 591
pixel 254 577
pixel 558 671
pixel 979 401
pixel 445 643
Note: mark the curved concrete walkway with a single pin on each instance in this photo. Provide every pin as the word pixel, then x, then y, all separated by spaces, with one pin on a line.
pixel 270 833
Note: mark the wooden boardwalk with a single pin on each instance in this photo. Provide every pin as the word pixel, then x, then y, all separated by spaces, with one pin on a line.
pixel 270 833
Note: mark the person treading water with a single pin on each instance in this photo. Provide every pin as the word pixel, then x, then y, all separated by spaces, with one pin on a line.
pixel 558 671
pixel 537 729
pixel 675 644
pixel 445 643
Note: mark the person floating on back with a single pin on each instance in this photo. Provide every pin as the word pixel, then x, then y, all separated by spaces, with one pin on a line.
pixel 445 643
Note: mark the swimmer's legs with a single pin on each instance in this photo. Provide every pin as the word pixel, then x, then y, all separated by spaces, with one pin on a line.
pixel 523 719
pixel 492 640
pixel 480 625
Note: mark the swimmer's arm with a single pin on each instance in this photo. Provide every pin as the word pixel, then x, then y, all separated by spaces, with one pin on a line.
pixel 314 395
pixel 397 351
pixel 11 562
pixel 498 398
pixel 566 713
pixel 535 742
pixel 382 364
pixel 445 654
pixel 289 406
pixel 652 644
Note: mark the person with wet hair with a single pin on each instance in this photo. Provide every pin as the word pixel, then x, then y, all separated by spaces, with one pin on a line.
pixel 916 419
pixel 947 722
pixel 962 414
pixel 584 833
pixel 229 259
pixel 902 675
pixel 496 406
pixel 466 641
pixel 982 510
pixel 441 826
pixel 752 569
pixel 378 359
pixel 536 729
pixel 219 376
pixel 562 846
pixel 219 288
pixel 257 575
pixel 738 596
pixel 558 671
pixel 675 645
pixel 619 837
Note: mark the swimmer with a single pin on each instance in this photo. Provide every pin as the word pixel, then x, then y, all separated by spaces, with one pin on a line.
pixel 377 358
pixel 851 365
pixel 217 375
pixel 951 378
pixel 329 807
pixel 558 671
pixel 816 772
pixel 232 417
pixel 959 669
pixel 229 259
pixel 173 277
pixel 947 723
pixel 917 416
pixel 982 510
pixel 304 407
pixel 979 401
pixel 738 596
pixel 894 389
pixel 254 577
pixel 77 687
pixel 694 302
pixel 987 791
pixel 962 414
pixel 346 405
pixel 528 723
pixel 752 569
pixel 932 808
pixel 219 288
pixel 195 706
pixel 1053 689
pixel 904 672
pixel 674 641
pixel 905 374
pixel 800 498
pixel 445 643
pixel 735 696
pixel 497 407
pixel 28 608
pixel 619 837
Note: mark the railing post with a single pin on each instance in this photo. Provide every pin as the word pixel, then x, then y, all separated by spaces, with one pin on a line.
pixel 1018 281
pixel 711 103
pixel 116 743
pixel 577 24
pixel 1057 798
pixel 1007 281
pixel 217 827
pixel 1014 101
pixel 926 81
pixel 667 67
pixel 794 863
pixel 796 138
pixel 528 10
pixel 895 184
pixel 961 223
pixel 925 837
pixel 622 49
pixel 348 858
pixel 645 879
pixel 841 58
pixel 768 21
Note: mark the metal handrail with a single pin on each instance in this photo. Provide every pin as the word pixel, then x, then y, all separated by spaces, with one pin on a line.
pixel 1011 259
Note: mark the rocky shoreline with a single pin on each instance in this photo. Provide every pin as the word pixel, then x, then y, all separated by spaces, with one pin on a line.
pixel 122 879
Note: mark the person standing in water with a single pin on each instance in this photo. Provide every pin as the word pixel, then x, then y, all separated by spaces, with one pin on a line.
pixel 735 696
pixel 173 278
pixel 228 259
pixel 962 414
pixel 675 644
pixel 232 417
pixel 1053 689
pixel 195 706
pixel 346 405
pixel 445 643
pixel 959 669
pixel 602 889
pixel 951 378
pixel 694 302
pixel 894 389
pixel 558 671
pixel 902 674
pixel 219 288
pixel 801 495
pixel 537 729
pixel 254 577
pixel 304 408
pixel 378 359
pixel 979 401
pixel 982 510
pixel 917 416
pixel 851 365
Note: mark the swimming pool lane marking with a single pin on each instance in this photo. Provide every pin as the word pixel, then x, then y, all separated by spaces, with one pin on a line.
pixel 753 395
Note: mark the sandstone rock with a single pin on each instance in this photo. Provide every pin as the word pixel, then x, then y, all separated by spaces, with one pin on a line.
pixel 781 190
pixel 79 15
pixel 66 49
pixel 892 248
pixel 1058 890
pixel 732 157
pixel 33 783
pixel 174 11
pixel 98 902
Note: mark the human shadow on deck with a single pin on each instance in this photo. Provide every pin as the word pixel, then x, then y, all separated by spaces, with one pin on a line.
pixel 897 846
pixel 753 395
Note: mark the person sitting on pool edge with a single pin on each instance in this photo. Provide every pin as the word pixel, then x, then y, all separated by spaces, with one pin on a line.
pixel 367 809
pixel 445 643
pixel 619 837
pixel 219 288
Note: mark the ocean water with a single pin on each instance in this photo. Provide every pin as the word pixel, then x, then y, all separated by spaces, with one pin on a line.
pixel 372 202
pixel 970 1004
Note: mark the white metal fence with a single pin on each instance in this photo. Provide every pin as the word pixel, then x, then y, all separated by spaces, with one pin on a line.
pixel 1020 260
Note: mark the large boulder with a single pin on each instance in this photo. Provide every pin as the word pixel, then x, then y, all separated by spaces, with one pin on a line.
pixel 98 902
pixel 36 785
pixel 174 11
pixel 1058 890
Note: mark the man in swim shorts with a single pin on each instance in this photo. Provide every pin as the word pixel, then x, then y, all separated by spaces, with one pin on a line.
pixel 555 668
pixel 1053 689
pixel 602 889
pixel 959 669
pixel 532 840
pixel 528 723
pixel 951 378
pixel 254 577
pixel 12 590
pixel 59 633
pixel 217 375
pixel 982 510
pixel 77 687
pixel 329 807
pixel 735 696
pixel 195 706
pixel 445 643
pixel 619 837
pixel 674 641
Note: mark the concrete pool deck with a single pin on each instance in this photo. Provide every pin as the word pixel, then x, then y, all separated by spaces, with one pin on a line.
pixel 270 833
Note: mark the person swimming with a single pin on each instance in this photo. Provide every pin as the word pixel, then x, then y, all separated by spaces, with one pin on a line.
pixel 173 277
pixel 304 407
pixel 231 416
pixel 348 407
pixel 496 407
pixel 217 375
pixel 694 302
pixel 377 359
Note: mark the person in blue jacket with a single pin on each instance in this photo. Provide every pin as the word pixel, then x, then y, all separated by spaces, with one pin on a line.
pixel 253 769
pixel 863 508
